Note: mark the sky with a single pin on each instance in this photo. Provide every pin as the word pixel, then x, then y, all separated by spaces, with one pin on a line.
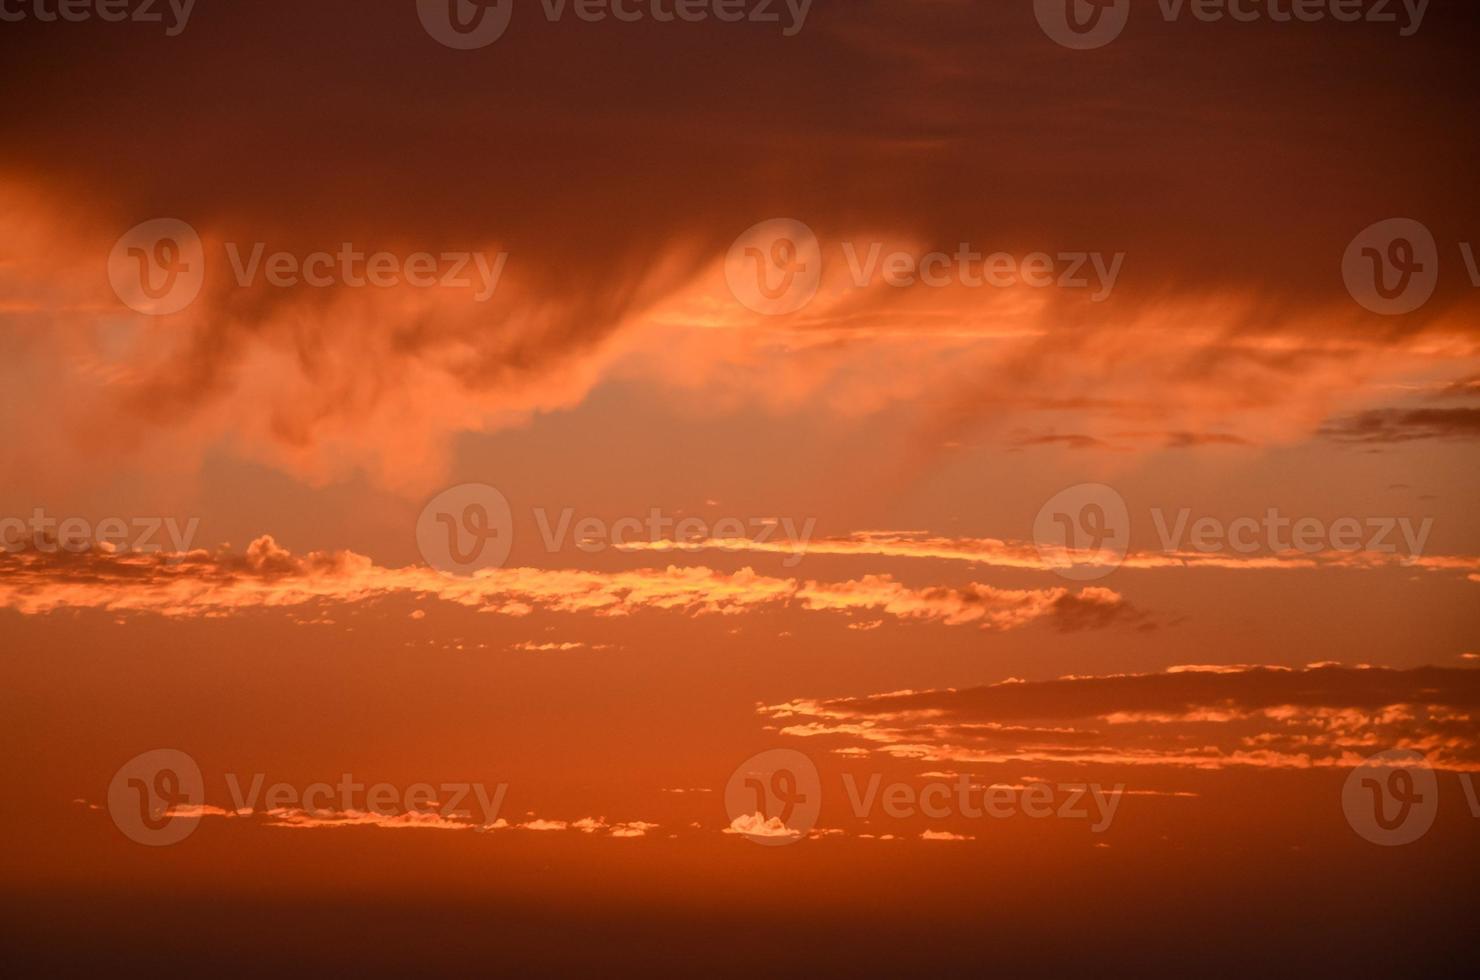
pixel 979 487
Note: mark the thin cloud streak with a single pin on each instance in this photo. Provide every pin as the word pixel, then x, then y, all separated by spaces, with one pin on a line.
pixel 267 577
pixel 994 552
pixel 1210 718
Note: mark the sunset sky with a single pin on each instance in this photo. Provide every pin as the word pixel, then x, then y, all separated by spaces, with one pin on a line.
pixel 832 488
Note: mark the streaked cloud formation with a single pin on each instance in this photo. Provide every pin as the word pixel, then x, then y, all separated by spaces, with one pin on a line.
pixel 1191 717
pixel 267 577
pixel 1245 340
pixel 994 552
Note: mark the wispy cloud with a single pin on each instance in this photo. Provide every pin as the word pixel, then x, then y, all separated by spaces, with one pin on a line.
pixel 1023 555
pixel 267 577
pixel 1203 718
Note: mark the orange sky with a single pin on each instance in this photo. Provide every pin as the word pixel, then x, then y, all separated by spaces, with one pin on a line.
pixel 800 539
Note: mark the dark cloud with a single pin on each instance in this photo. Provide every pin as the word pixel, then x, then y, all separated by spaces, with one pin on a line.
pixel 1192 717
pixel 1392 425
pixel 589 146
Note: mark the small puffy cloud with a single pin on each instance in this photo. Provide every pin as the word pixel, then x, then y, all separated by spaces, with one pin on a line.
pixel 757 825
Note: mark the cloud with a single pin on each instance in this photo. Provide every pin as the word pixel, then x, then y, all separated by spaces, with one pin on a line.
pixel 1247 336
pixel 982 605
pixel 1025 556
pixel 331 818
pixel 1392 425
pixel 635 828
pixel 296 818
pixel 591 825
pixel 267 577
pixel 1264 717
pixel 944 835
pixel 757 825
